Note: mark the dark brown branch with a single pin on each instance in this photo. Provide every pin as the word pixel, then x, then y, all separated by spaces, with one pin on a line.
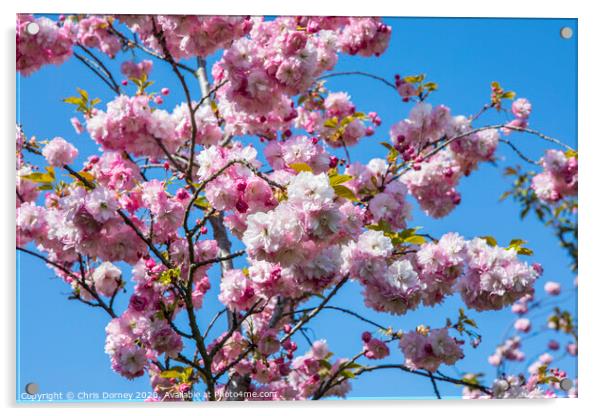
pixel 316 310
pixel 360 73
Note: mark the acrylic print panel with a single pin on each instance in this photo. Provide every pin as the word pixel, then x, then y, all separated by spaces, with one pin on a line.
pixel 292 208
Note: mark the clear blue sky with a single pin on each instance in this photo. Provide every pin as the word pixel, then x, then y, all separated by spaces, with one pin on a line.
pixel 61 342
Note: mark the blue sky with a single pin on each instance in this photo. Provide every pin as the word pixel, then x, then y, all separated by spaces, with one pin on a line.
pixel 61 342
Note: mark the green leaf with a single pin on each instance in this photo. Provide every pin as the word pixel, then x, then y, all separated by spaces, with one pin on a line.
pixel 39 177
pixel 490 240
pixel 509 95
pixel 300 167
pixel 525 251
pixel 339 179
pixel 414 79
pixel 344 192
pixel 168 276
pixel 180 373
pixel 73 100
pixel 431 86
pixel 331 122
pixel 86 175
pixel 415 239
pixel 83 93
pixel 202 202
pixel 347 374
pixel 408 232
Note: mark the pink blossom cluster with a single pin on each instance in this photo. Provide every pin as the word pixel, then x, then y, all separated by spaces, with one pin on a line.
pixel 237 189
pixel 310 220
pixel 434 184
pixel 521 109
pixel 508 351
pixel 365 36
pixel 474 148
pixel 208 131
pixel 278 61
pixel 136 70
pixel 433 181
pixel 134 338
pixel 130 124
pixel 305 376
pixel 299 149
pixel 559 178
pixel 391 205
pixel 394 287
pixel 188 36
pixel 336 121
pixel 430 350
pixel 114 171
pixel 93 32
pixel 59 152
pixel 440 264
pixel 51 45
pixel 374 348
pixel 494 276
pixel 487 278
pixel 27 190
pixel 425 125
pixel 142 333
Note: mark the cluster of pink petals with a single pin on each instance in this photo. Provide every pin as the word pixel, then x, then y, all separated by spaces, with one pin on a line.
pixel 336 108
pixel 374 348
pixel 521 109
pixel 474 148
pixel 305 376
pixel 494 276
pixel 487 278
pixel 425 125
pixel 440 264
pixel 298 149
pixel 188 36
pixel 276 60
pixel 433 181
pixel 508 351
pixel 434 184
pixel 429 351
pixel 559 178
pixel 237 189
pixel 59 152
pixel 282 58
pixel 93 32
pixel 130 124
pixel 136 70
pixel 51 45
pixel 391 205
pixel 365 36
pixel 304 232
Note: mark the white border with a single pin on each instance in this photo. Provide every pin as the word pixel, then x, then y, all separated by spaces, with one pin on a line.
pixel 590 94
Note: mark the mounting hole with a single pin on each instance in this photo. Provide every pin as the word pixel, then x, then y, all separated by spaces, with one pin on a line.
pixel 32 388
pixel 32 28
pixel 566 32
pixel 566 384
pixel 504 385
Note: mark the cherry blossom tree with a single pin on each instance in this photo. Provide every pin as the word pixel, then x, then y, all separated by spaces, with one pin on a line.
pixel 309 222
